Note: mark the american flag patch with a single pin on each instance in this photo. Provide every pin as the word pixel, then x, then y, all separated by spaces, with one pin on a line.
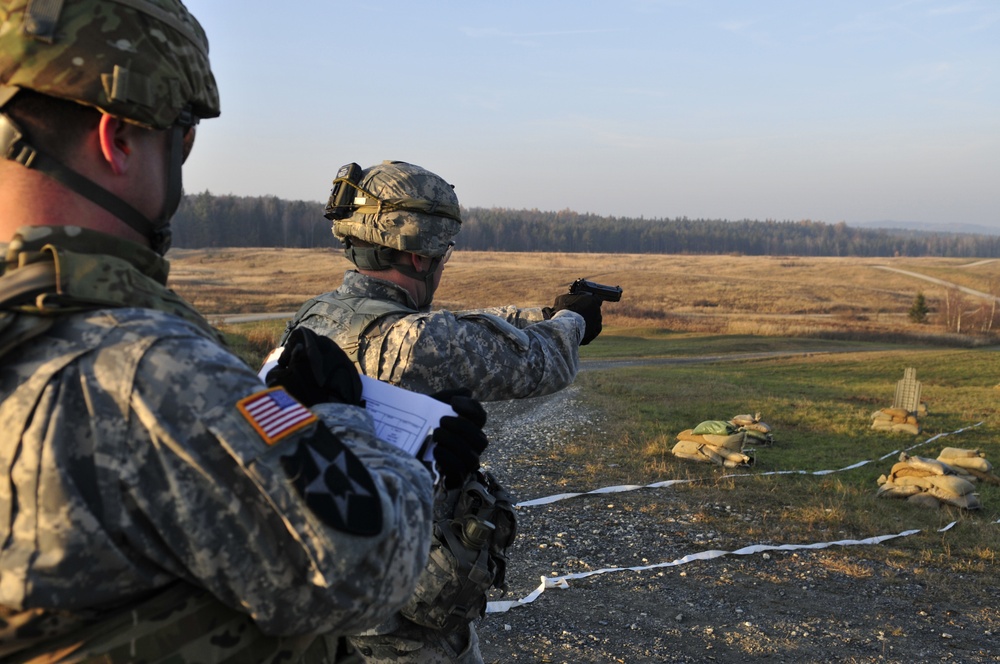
pixel 275 414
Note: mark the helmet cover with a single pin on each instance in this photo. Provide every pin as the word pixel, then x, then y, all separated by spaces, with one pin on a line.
pixel 141 60
pixel 415 210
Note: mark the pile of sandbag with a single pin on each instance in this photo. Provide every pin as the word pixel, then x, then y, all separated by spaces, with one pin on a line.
pixel 896 419
pixel 757 432
pixel 928 483
pixel 969 464
pixel 713 441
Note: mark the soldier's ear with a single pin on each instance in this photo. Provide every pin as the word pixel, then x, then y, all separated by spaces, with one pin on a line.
pixel 420 263
pixel 115 137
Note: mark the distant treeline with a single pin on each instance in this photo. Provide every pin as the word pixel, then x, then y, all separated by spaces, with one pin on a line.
pixel 207 220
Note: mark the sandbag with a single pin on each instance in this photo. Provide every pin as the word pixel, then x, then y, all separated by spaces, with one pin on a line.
pixel 976 463
pixel 734 459
pixel 972 463
pixel 952 484
pixel 731 442
pixel 717 427
pixel 969 501
pixel 897 420
pixel 989 478
pixel 903 469
pixel 757 437
pixel 705 453
pixel 761 427
pixel 922 499
pixel 930 465
pixel 958 453
pixel 955 470
pixel 922 481
pixel 929 483
pixel 686 449
pixel 940 485
pixel 688 435
pixel 898 491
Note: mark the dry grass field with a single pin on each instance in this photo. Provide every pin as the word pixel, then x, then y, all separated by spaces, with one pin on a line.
pixel 770 296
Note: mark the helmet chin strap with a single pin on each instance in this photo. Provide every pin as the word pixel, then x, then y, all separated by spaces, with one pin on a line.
pixel 15 146
pixel 161 235
pixel 426 278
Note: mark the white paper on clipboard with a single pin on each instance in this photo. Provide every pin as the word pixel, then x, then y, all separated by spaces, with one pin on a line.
pixel 402 418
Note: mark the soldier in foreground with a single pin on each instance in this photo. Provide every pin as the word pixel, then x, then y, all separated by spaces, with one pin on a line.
pixel 398 222
pixel 157 501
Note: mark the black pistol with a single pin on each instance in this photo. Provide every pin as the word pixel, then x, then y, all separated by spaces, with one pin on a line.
pixel 600 291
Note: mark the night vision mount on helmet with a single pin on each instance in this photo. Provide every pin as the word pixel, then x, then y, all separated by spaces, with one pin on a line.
pixel 396 205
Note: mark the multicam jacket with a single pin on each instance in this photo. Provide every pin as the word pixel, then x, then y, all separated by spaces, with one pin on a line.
pixel 142 463
pixel 498 353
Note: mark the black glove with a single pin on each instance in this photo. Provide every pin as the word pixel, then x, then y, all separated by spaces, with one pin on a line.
pixel 314 369
pixel 587 306
pixel 460 440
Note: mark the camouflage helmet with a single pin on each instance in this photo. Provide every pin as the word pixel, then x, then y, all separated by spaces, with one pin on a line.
pixel 413 210
pixel 141 60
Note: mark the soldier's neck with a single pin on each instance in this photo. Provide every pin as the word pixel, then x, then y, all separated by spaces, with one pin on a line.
pixel 28 198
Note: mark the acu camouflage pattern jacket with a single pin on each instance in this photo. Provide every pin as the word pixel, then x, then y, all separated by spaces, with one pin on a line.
pixel 499 353
pixel 130 461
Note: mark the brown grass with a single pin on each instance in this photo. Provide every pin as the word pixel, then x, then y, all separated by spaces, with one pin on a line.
pixel 767 296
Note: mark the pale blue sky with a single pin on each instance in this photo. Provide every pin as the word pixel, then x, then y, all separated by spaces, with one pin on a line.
pixel 853 111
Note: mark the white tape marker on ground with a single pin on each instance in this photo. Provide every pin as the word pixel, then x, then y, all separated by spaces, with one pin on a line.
pixel 563 581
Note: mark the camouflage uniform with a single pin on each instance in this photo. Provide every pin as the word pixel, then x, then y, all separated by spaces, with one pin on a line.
pixel 499 353
pixel 133 472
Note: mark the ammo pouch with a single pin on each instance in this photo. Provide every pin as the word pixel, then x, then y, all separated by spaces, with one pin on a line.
pixel 473 527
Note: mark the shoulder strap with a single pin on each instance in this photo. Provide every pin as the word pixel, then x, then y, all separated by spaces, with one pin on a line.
pixel 364 325
pixel 363 314
pixel 23 285
pixel 19 287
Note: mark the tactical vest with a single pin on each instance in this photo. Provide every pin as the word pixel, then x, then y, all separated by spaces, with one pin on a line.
pixel 361 314
pixel 54 282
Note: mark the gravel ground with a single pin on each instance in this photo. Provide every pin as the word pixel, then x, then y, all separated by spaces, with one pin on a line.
pixel 823 605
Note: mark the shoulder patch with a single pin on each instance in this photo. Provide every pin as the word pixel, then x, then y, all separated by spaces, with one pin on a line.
pixel 334 483
pixel 274 414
